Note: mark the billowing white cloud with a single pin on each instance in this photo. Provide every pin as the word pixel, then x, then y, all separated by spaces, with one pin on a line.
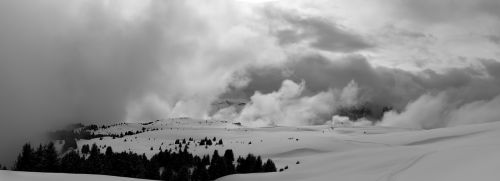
pixel 350 95
pixel 476 112
pixel 424 113
pixel 289 105
pixel 436 111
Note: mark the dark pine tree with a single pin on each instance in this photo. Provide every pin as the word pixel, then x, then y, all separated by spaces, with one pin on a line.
pixel 26 160
pixel 109 151
pixel 249 164
pixel 71 163
pixel 258 165
pixel 183 175
pixel 85 149
pixel 200 173
pixel 95 150
pixel 167 174
pixel 205 160
pixel 269 166
pixel 229 159
pixel 38 159
pixel 217 166
pixel 93 164
pixel 241 165
pixel 49 159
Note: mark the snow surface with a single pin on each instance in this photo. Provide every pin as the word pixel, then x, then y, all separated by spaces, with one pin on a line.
pixel 37 176
pixel 457 154
pixel 351 153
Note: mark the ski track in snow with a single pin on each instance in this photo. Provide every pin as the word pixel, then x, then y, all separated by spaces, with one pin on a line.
pixel 392 175
pixel 368 142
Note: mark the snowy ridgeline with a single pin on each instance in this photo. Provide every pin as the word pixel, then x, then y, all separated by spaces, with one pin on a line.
pixel 316 152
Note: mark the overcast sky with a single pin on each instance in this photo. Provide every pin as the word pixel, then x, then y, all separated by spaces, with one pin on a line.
pixel 65 61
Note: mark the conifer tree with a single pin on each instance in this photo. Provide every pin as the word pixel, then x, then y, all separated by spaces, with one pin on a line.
pixel 49 159
pixel 71 163
pixel 109 151
pixel 269 166
pixel 26 159
pixel 38 159
pixel 240 168
pixel 183 174
pixel 85 149
pixel 258 165
pixel 229 159
pixel 167 174
pixel 94 152
pixel 217 166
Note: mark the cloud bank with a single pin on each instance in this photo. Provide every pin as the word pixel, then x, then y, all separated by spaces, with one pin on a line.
pixel 288 105
pixel 436 111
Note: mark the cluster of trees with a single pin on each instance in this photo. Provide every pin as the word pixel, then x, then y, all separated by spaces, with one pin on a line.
pixel 43 159
pixel 3 167
pixel 87 132
pixel 363 111
pixel 165 165
pixel 355 113
pixel 148 123
pixel 208 142
pixel 203 142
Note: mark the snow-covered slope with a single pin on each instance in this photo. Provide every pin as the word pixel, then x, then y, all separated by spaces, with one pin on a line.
pixel 459 153
pixel 319 153
pixel 36 176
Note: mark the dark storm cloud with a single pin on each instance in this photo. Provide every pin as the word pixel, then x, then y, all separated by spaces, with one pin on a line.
pixel 492 67
pixel 445 11
pixel 391 30
pixel 318 32
pixel 494 39
pixel 380 85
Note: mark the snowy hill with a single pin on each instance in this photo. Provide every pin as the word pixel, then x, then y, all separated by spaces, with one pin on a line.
pixel 459 153
pixel 318 152
pixel 36 176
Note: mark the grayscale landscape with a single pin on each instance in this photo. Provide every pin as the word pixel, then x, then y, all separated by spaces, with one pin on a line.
pixel 230 90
